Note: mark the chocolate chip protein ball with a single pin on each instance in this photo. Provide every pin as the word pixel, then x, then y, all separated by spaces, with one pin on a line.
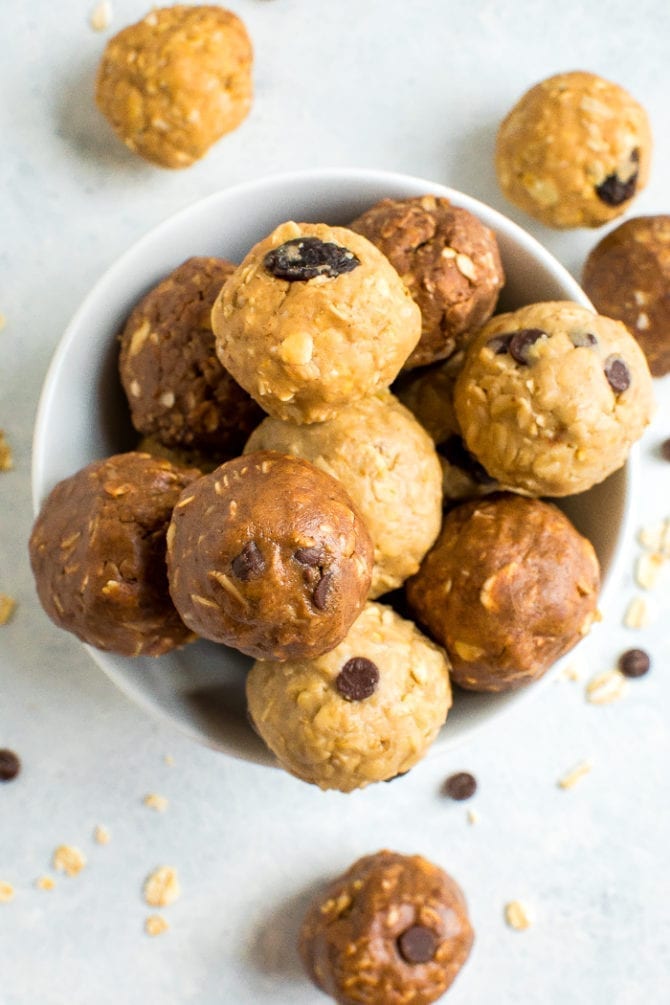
pixel 627 277
pixel 389 467
pixel 509 586
pixel 268 554
pixel 364 712
pixel 551 397
pixel 574 151
pixel 97 551
pixel 177 390
pixel 392 930
pixel 447 258
pixel 174 83
pixel 314 318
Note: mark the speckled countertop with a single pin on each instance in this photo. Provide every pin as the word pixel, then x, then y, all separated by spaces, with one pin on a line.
pixel 413 87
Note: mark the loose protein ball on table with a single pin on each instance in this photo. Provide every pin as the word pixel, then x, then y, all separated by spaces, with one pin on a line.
pixel 389 467
pixel 447 258
pixel 364 712
pixel 314 318
pixel 97 551
pixel 177 390
pixel 509 586
pixel 574 151
pixel 392 930
pixel 268 554
pixel 174 83
pixel 627 277
pixel 551 397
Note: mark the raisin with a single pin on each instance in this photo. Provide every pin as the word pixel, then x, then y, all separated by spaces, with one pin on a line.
pixel 303 258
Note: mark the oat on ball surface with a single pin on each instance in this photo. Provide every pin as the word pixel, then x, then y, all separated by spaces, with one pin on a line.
pixel 447 258
pixel 392 930
pixel 314 318
pixel 175 82
pixel 509 587
pixel 177 390
pixel 552 396
pixel 97 551
pixel 389 466
pixel 269 554
pixel 364 712
pixel 627 277
pixel 574 151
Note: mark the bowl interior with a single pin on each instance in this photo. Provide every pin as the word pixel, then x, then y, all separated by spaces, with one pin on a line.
pixel 82 416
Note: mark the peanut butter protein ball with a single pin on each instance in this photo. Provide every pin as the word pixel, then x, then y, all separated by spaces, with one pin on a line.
pixel 392 930
pixel 172 84
pixel 314 318
pixel 574 151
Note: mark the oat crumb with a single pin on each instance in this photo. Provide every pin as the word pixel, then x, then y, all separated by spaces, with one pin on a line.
pixel 156 802
pixel 517 915
pixel 68 859
pixel 155 925
pixel 161 887
pixel 101 835
pixel 3 321
pixel 45 883
pixel 637 614
pixel 6 456
pixel 571 672
pixel 606 687
pixel 7 605
pixel 101 16
pixel 648 568
pixel 569 780
pixel 472 816
pixel 6 892
pixel 169 760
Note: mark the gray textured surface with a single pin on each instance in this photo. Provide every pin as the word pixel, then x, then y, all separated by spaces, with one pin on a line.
pixel 416 87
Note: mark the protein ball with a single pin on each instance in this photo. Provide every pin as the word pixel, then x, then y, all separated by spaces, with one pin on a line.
pixel 508 588
pixel 627 277
pixel 364 712
pixel 574 151
pixel 389 467
pixel 313 319
pixel 268 554
pixel 97 551
pixel 174 83
pixel 393 929
pixel 551 398
pixel 177 390
pixel 447 258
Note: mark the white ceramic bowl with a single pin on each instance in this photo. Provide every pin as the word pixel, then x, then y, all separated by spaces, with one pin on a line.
pixel 82 416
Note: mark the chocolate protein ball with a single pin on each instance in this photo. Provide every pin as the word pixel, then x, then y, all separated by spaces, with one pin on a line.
pixel 314 318
pixel 509 586
pixel 392 930
pixel 627 277
pixel 364 712
pixel 447 258
pixel 97 551
pixel 389 467
pixel 574 151
pixel 268 554
pixel 551 397
pixel 171 85
pixel 177 390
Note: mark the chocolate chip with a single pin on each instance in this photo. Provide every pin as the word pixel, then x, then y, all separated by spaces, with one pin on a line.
pixel 249 564
pixel 320 595
pixel 617 373
pixel 613 191
pixel 634 663
pixel 303 258
pixel 417 944
pixel 521 342
pixel 308 556
pixel 455 452
pixel 10 765
pixel 665 450
pixel 357 679
pixel 580 339
pixel 460 786
pixel 499 344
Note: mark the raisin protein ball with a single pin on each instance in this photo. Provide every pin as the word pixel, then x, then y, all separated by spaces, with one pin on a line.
pixel 387 463
pixel 552 396
pixel 177 390
pixel 172 84
pixel 392 930
pixel 574 151
pixel 314 318
pixel 268 554
pixel 627 277
pixel 364 712
pixel 97 551
pixel 447 258
pixel 509 587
